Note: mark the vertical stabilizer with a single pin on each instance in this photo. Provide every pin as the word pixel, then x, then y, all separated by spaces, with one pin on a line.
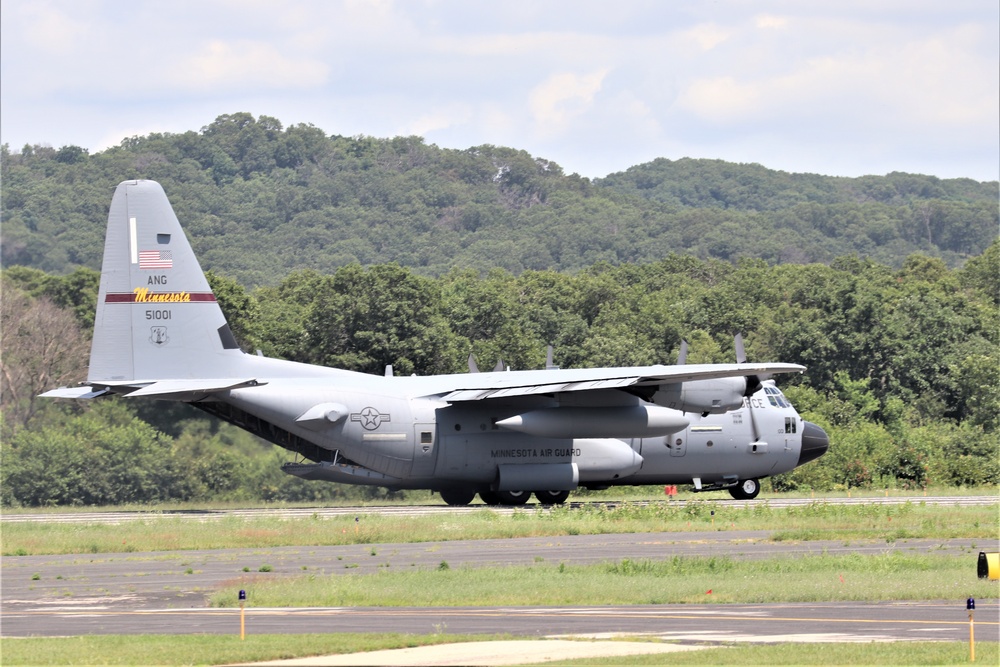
pixel 157 318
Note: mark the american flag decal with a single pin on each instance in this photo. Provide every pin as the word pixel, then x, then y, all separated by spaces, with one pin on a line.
pixel 156 259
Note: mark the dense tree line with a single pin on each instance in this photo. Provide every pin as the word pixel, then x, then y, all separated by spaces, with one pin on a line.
pixel 260 201
pixel 903 363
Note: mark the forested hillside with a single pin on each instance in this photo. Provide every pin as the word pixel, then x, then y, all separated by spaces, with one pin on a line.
pixel 260 201
pixel 903 364
pixel 359 252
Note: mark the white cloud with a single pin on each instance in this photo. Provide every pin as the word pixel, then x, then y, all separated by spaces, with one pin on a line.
pixel 892 85
pixel 221 64
pixel 562 97
pixel 49 29
pixel 722 99
pixel 440 119
pixel 769 21
pixel 875 86
pixel 705 37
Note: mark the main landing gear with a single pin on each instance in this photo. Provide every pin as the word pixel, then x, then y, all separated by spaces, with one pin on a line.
pixel 463 496
pixel 552 497
pixel 746 489
pixel 514 498
pixel 458 497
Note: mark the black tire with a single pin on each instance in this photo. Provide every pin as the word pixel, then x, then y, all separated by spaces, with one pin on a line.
pixel 458 497
pixel 514 497
pixel 552 497
pixel 490 497
pixel 747 489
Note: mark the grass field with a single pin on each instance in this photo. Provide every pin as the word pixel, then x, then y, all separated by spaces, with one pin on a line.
pixel 892 576
pixel 219 650
pixel 819 520
pixel 818 578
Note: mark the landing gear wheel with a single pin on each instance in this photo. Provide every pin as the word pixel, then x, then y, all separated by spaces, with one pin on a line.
pixel 748 489
pixel 514 497
pixel 552 497
pixel 458 497
pixel 490 497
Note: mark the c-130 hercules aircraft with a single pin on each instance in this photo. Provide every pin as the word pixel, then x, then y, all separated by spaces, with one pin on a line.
pixel 159 333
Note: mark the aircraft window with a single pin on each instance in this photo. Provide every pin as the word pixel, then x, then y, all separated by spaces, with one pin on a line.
pixel 782 401
pixel 770 399
pixel 163 239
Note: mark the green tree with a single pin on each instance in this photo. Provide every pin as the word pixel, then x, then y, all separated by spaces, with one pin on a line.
pixel 367 319
pixel 105 456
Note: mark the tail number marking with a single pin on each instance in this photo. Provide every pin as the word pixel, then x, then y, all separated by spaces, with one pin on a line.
pixel 158 315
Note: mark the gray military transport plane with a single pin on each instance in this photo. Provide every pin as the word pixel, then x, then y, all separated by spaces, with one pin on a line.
pixel 159 333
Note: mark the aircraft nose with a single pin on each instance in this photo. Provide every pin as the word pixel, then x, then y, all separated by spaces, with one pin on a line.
pixel 814 443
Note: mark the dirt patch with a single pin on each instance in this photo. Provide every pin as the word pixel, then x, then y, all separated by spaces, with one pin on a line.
pixel 487 653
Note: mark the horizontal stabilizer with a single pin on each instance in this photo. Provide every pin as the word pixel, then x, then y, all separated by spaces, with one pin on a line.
pixel 74 392
pixel 173 388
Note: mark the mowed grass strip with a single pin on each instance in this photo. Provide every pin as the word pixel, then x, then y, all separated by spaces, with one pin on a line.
pixel 673 580
pixel 216 650
pixel 817 521
pixel 206 649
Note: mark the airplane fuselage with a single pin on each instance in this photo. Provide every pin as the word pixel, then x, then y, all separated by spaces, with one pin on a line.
pixel 384 431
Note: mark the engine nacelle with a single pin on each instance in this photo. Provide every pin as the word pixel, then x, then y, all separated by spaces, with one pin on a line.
pixel 703 396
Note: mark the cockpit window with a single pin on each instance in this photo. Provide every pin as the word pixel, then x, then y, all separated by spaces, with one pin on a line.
pixel 775 397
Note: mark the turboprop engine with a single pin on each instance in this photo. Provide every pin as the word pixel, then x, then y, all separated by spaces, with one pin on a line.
pixel 706 396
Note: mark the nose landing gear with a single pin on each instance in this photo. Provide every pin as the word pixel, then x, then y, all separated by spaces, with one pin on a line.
pixel 747 489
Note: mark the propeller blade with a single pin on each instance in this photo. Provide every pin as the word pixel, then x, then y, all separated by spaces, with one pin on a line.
pixel 549 363
pixel 753 422
pixel 473 368
pixel 753 381
pixel 741 353
pixel 682 356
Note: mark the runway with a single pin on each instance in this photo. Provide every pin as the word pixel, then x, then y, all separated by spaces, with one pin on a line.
pixel 165 592
pixel 825 622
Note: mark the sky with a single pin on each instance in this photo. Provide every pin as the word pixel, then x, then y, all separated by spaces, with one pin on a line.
pixel 835 87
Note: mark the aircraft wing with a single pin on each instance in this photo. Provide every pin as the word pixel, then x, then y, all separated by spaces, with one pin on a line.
pixel 482 386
